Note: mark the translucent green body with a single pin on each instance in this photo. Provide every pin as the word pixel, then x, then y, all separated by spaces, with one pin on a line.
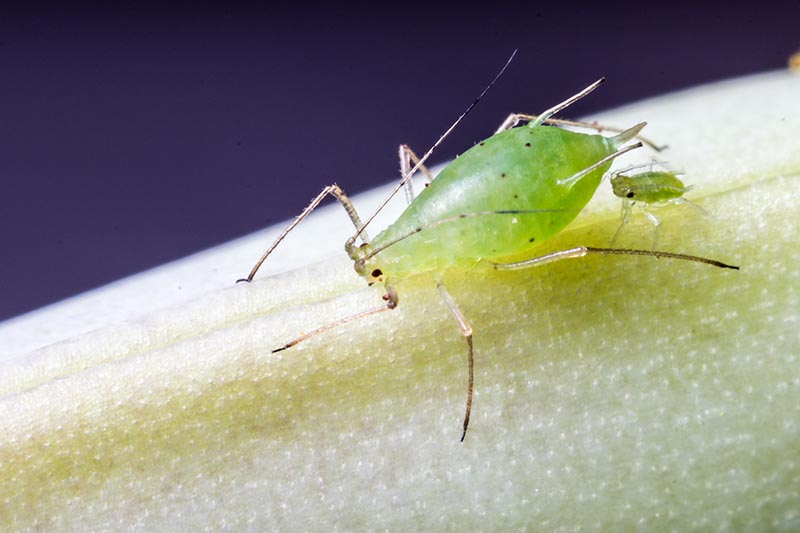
pixel 650 187
pixel 515 170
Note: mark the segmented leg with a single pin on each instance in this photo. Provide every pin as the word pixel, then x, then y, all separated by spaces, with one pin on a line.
pixel 333 190
pixel 390 297
pixel 515 118
pixel 466 331
pixel 655 221
pixel 407 155
pixel 583 251
pixel 625 217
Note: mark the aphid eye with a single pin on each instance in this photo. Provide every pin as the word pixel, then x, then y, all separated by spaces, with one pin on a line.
pixel 630 195
pixel 377 273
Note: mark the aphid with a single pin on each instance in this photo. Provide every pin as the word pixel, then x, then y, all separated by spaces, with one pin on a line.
pixel 651 188
pixel 500 198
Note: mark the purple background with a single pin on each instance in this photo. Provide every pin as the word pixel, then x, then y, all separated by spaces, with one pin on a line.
pixel 133 136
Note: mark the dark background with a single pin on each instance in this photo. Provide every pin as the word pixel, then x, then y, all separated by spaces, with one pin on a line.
pixel 134 136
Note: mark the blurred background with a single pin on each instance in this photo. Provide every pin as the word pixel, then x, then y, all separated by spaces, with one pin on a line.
pixel 133 136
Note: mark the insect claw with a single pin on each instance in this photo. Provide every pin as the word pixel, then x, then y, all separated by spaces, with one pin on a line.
pixel 247 280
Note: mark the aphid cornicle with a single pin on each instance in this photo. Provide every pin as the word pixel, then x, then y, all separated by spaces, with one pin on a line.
pixel 501 198
pixel 650 188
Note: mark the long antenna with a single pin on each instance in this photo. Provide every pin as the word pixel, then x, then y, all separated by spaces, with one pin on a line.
pixel 430 151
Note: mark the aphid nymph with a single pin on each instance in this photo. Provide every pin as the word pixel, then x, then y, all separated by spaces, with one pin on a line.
pixel 651 187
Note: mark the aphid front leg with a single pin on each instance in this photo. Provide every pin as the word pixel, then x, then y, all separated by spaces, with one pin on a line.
pixel 407 155
pixel 466 331
pixel 333 190
pixel 625 217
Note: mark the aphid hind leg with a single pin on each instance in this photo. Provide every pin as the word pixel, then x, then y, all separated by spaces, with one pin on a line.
pixel 407 155
pixel 691 204
pixel 332 190
pixel 516 118
pixel 583 251
pixel 466 331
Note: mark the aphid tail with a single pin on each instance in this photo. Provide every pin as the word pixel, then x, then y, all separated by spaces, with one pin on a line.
pixel 627 135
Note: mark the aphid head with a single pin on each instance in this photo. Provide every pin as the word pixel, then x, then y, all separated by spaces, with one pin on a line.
pixel 367 265
pixel 369 271
pixel 621 186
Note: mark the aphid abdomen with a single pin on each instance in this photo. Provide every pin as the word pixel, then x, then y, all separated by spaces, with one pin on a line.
pixel 496 200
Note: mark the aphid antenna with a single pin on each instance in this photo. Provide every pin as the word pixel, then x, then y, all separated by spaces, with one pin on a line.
pixel 648 164
pixel 430 151
pixel 456 218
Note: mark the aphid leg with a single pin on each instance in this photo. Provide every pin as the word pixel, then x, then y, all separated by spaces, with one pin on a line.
pixel 565 104
pixel 466 331
pixel 511 121
pixel 407 155
pixel 391 303
pixel 690 203
pixel 656 222
pixel 332 190
pixel 514 118
pixel 625 217
pixel 600 128
pixel 583 251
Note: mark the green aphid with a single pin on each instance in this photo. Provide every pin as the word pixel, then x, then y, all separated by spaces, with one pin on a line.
pixel 651 188
pixel 498 200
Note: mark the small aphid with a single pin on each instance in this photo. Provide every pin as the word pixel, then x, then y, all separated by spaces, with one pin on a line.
pixel 651 188
pixel 502 197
